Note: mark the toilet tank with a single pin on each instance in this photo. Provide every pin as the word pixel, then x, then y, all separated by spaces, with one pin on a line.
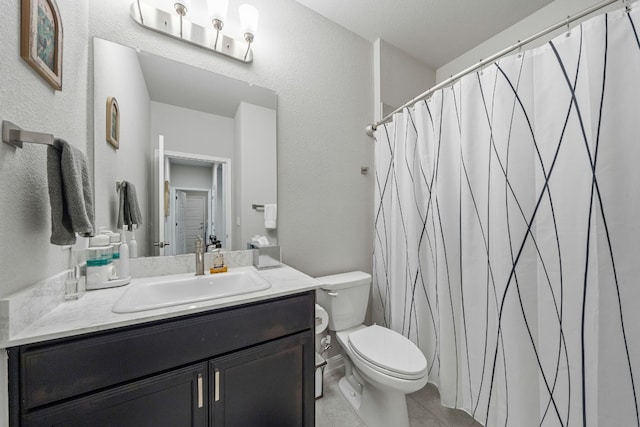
pixel 345 297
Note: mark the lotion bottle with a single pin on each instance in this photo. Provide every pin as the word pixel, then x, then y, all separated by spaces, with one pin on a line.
pixel 123 273
pixel 133 244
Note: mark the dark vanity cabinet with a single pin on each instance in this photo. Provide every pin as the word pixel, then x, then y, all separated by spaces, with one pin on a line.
pixel 249 365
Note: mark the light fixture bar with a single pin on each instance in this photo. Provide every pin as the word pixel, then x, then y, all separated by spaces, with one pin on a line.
pixel 169 24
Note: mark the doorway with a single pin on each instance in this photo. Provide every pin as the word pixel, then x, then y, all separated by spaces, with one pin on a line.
pixel 197 201
pixel 192 217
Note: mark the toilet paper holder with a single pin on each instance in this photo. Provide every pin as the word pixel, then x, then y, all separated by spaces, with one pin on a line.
pixel 322 319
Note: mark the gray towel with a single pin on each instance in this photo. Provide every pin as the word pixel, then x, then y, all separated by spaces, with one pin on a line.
pixel 70 193
pixel 128 209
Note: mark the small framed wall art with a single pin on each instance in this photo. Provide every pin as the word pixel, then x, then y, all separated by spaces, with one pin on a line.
pixel 41 39
pixel 113 122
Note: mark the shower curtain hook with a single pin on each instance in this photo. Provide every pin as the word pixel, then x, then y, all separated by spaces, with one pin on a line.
pixel 519 49
pixel 627 6
pixel 568 26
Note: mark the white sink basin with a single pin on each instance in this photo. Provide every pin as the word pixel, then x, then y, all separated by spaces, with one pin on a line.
pixel 183 289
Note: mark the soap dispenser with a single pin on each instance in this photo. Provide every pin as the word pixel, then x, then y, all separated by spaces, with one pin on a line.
pixel 218 263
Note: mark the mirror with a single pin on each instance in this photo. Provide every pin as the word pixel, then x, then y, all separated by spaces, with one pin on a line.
pixel 199 147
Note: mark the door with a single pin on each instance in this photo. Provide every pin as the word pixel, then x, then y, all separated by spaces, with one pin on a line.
pixel 177 398
pixel 195 219
pixel 265 385
pixel 181 230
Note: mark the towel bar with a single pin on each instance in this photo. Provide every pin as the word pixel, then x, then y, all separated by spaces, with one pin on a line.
pixel 15 136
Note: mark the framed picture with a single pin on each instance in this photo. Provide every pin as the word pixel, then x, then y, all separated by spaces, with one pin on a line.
pixel 41 39
pixel 113 122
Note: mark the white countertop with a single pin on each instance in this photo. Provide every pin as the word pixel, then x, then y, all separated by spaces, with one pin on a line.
pixel 92 312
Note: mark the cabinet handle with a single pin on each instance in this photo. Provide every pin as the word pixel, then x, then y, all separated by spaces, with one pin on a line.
pixel 216 391
pixel 200 398
pixel 332 293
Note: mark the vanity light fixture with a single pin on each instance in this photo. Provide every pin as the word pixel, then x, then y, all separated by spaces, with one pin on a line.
pixel 182 7
pixel 178 25
pixel 249 24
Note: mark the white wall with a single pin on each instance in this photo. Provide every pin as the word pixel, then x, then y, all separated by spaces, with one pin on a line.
pixel 191 131
pixel 402 77
pixel 549 15
pixel 26 256
pixel 323 76
pixel 190 177
pixel 256 181
pixel 126 83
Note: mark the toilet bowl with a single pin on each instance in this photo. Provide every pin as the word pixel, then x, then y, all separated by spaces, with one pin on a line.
pixel 381 365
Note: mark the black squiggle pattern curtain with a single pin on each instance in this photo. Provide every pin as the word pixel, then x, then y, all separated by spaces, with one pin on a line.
pixel 507 232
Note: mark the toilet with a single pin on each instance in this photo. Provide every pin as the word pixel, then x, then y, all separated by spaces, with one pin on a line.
pixel 381 365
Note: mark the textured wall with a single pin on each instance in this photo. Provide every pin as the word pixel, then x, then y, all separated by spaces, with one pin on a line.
pixel 323 76
pixel 27 100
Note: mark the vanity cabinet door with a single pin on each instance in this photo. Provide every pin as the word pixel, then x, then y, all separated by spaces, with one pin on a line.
pixel 174 399
pixel 267 385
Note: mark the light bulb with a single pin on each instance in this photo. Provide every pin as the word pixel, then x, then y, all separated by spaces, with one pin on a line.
pixel 182 6
pixel 218 9
pixel 248 19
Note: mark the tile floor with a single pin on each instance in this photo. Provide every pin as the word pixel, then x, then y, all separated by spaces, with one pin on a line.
pixel 332 410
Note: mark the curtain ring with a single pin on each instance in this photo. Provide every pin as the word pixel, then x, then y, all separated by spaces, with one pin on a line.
pixel 519 50
pixel 568 26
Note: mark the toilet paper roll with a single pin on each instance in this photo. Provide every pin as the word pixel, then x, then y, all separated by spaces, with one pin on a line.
pixel 322 319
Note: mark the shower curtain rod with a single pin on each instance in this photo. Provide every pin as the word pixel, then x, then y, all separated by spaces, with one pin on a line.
pixel 483 62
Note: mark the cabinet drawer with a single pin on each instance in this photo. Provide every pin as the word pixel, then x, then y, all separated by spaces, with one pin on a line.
pixel 177 398
pixel 59 370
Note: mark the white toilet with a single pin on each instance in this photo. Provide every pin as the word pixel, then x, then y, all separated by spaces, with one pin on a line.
pixel 381 366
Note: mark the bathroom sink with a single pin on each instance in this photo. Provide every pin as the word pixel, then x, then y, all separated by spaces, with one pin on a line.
pixel 188 288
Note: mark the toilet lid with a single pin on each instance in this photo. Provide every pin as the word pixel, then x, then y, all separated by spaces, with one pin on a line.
pixel 389 350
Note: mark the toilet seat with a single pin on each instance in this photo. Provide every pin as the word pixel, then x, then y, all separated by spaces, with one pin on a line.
pixel 389 352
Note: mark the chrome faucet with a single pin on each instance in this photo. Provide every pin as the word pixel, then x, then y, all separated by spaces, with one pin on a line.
pixel 199 256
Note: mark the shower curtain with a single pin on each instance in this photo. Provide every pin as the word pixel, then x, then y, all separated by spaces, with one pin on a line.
pixel 507 232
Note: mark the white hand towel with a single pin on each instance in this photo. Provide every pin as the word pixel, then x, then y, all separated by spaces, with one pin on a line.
pixel 270 216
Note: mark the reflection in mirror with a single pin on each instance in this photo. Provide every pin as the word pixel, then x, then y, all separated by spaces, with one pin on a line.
pixel 199 147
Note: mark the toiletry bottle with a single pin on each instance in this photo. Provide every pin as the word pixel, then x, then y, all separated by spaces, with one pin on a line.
pixel 133 244
pixel 114 242
pixel 218 263
pixel 123 272
pixel 100 267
